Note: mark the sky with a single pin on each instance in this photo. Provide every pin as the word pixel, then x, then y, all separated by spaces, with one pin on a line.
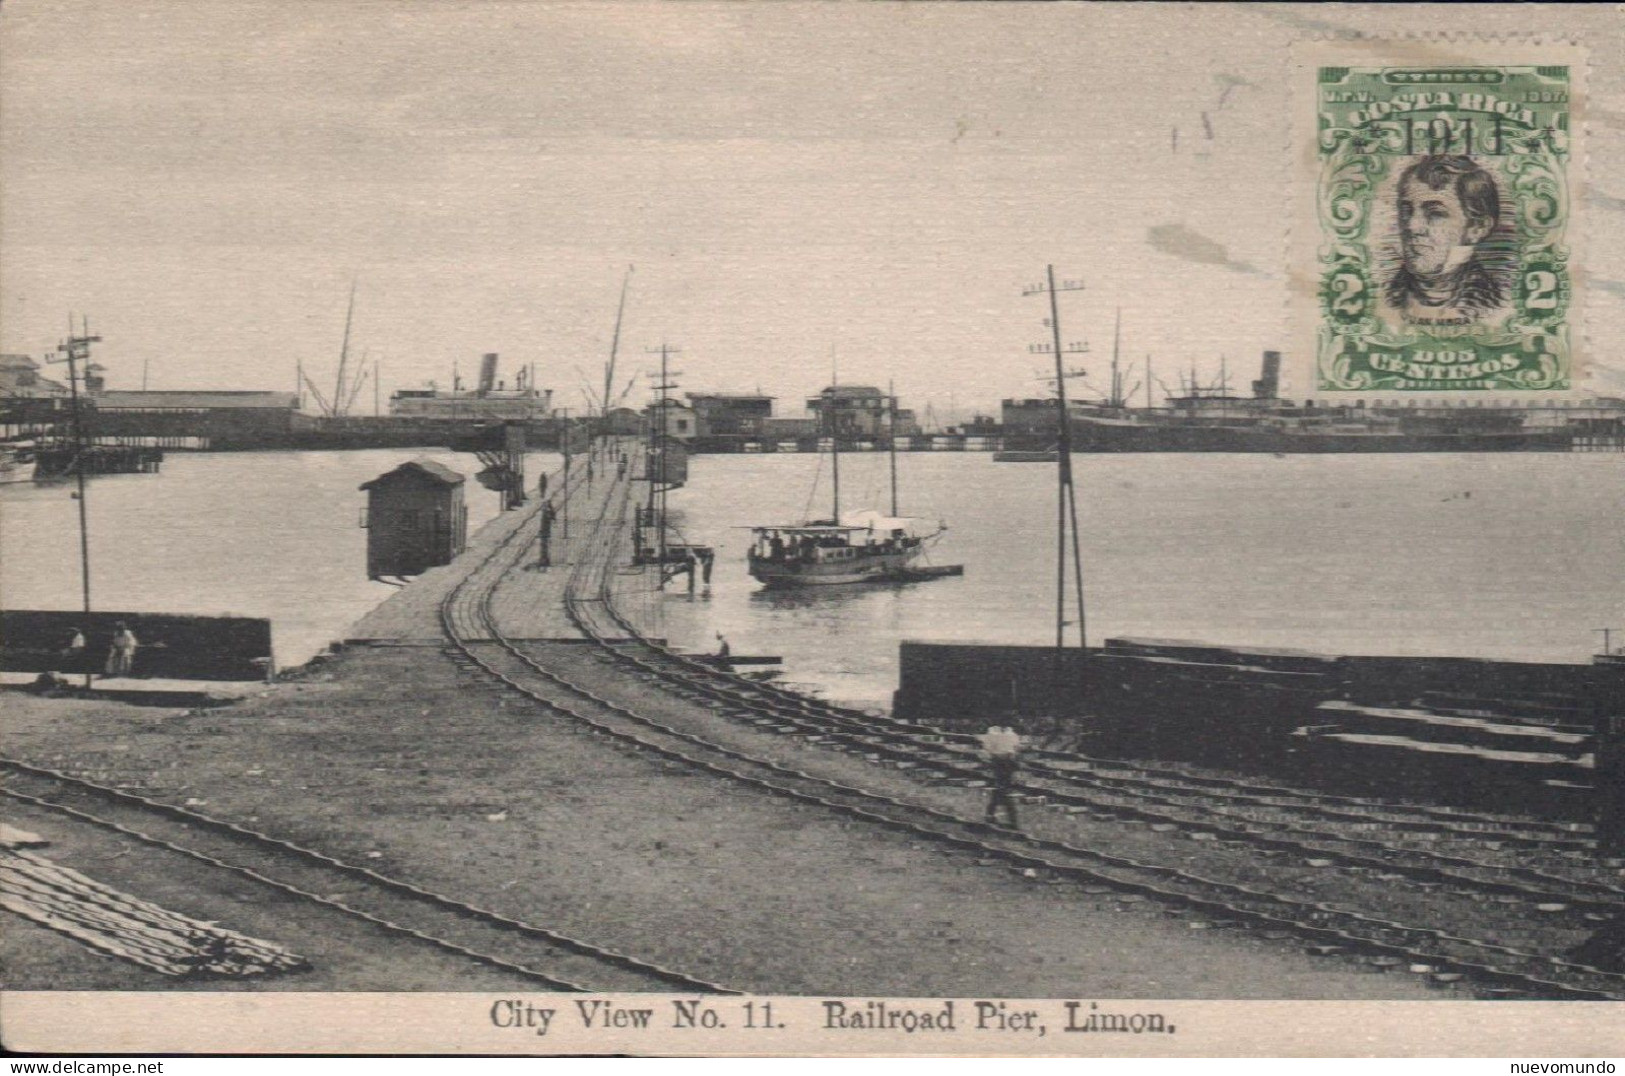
pixel 795 184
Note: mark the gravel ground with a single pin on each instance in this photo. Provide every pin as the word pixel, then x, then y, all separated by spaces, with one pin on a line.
pixel 397 758
pixel 1451 908
pixel 345 953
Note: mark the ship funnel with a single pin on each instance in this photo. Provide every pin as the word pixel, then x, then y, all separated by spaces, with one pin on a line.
pixel 1268 385
pixel 488 373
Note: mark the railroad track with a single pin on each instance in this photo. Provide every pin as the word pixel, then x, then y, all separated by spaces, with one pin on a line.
pixel 1496 967
pixel 1415 840
pixel 551 959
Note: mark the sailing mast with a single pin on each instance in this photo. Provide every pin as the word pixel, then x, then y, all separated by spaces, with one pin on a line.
pixel 614 347
pixel 891 437
pixel 1117 377
pixel 835 433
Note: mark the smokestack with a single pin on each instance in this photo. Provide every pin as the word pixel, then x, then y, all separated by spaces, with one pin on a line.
pixel 1268 385
pixel 488 373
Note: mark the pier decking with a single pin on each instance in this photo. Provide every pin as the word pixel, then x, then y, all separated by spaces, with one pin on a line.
pixel 528 602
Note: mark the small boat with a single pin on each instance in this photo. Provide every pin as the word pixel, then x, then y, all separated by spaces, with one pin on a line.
pixel 861 547
pixel 1019 455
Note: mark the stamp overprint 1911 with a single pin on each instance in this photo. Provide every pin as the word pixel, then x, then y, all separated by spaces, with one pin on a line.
pixel 1444 215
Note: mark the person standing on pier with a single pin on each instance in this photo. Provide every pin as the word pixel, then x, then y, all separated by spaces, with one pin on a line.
pixel 1002 746
pixel 73 658
pixel 121 657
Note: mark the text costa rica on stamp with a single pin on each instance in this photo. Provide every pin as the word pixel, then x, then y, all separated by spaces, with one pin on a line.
pixel 1443 207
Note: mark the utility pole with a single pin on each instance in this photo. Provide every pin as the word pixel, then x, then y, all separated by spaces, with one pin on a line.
pixel 564 436
pixel 1066 504
pixel 377 392
pixel 658 438
pixel 75 348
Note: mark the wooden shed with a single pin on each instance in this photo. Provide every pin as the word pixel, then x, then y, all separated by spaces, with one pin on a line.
pixel 415 519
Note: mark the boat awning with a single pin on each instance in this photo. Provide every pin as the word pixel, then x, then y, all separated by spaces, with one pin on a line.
pixel 803 528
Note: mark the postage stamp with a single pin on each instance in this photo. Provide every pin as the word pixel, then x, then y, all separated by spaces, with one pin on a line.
pixel 1442 190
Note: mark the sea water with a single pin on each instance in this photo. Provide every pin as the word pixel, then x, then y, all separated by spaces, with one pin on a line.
pixel 1514 556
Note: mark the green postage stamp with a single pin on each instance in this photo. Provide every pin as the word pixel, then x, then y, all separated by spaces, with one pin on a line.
pixel 1443 186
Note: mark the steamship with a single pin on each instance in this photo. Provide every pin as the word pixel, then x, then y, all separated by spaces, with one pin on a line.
pixel 1210 419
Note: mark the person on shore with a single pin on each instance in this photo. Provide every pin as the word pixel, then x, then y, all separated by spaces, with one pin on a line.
pixel 1002 746
pixel 73 657
pixel 121 657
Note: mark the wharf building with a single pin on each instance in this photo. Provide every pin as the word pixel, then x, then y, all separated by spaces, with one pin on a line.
pixel 726 422
pixel 673 420
pixel 860 413
pixel 30 403
pixel 226 419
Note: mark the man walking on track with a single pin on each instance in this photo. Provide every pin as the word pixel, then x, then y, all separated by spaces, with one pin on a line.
pixel 1002 745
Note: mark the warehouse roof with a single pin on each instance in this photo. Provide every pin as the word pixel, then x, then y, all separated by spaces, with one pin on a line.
pixel 196 400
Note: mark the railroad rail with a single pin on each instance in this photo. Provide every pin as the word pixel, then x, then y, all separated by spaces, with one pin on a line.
pixel 1446 956
pixel 550 958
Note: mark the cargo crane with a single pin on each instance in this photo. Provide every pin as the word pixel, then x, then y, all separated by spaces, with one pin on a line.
pixel 345 388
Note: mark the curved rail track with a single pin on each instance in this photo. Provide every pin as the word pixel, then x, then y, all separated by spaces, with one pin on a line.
pixel 553 960
pixel 1498 968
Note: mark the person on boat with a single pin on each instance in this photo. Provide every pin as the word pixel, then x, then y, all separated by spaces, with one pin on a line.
pixel 723 649
pixel 121 657
pixel 775 548
pixel 1002 746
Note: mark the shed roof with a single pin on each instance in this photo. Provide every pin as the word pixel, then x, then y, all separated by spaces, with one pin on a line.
pixel 432 470
pixel 204 399
pixel 847 392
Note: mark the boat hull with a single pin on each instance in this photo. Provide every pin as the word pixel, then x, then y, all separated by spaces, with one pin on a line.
pixel 876 568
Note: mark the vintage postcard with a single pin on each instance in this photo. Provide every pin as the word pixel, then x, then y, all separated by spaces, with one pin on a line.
pixel 734 529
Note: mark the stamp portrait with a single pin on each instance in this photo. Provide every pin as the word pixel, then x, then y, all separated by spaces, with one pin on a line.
pixel 1445 222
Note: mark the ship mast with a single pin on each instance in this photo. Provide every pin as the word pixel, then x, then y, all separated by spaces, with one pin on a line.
pixel 614 347
pixel 835 434
pixel 1117 378
pixel 891 438
pixel 340 388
